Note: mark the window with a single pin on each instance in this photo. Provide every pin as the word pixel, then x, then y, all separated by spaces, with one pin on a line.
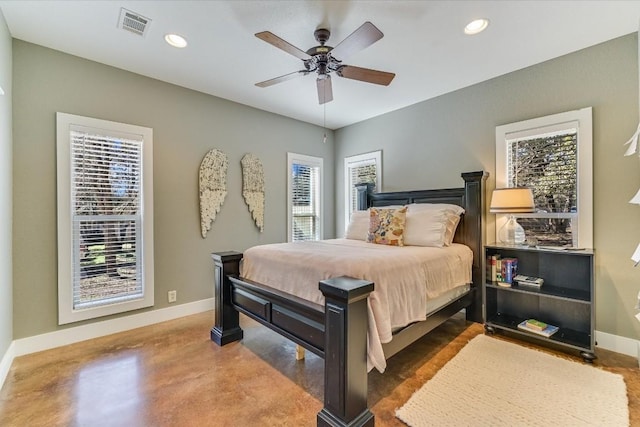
pixel 552 155
pixel 304 189
pixel 105 217
pixel 360 169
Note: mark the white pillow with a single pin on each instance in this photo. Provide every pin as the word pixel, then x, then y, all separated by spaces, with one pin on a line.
pixel 452 225
pixel 358 227
pixel 431 224
pixel 416 207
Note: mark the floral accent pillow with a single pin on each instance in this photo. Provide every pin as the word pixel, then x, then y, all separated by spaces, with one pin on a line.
pixel 386 226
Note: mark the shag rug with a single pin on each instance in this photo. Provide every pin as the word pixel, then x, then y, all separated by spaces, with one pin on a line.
pixel 491 382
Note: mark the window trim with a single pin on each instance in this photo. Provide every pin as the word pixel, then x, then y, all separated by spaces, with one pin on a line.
pixel 313 162
pixel 66 312
pixel 349 189
pixel 583 120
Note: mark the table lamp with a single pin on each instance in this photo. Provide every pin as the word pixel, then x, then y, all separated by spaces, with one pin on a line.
pixel 511 201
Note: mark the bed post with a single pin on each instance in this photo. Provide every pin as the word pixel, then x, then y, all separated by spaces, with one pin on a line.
pixel 474 235
pixel 362 195
pixel 226 328
pixel 345 353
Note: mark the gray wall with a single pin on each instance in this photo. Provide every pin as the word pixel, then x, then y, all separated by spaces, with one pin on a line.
pixel 186 124
pixel 428 144
pixel 424 146
pixel 6 281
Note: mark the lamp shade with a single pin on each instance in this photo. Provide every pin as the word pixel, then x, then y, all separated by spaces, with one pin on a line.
pixel 512 200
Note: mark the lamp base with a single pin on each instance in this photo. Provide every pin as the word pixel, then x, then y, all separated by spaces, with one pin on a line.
pixel 512 233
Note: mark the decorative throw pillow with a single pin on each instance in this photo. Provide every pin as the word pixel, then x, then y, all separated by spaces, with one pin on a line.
pixel 358 227
pixel 386 226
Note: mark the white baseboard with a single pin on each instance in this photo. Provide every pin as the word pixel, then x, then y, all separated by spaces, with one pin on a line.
pixel 107 327
pixel 619 344
pixel 5 363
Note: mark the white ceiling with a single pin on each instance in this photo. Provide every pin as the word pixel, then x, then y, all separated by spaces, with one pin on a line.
pixel 423 44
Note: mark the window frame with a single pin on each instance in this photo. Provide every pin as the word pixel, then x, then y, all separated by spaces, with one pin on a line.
pixel 350 162
pixel 582 120
pixel 66 247
pixel 311 161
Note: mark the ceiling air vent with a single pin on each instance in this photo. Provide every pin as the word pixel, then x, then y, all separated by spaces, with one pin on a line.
pixel 133 22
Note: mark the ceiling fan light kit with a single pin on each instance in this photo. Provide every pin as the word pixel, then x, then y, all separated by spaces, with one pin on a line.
pixel 324 60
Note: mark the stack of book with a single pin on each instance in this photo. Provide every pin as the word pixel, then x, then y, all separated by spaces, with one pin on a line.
pixel 538 327
pixel 501 270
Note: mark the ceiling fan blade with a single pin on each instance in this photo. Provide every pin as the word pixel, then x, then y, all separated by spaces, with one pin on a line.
pixel 276 41
pixel 281 79
pixel 366 35
pixel 325 93
pixel 366 75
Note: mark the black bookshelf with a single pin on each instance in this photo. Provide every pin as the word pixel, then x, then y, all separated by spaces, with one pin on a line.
pixel 564 300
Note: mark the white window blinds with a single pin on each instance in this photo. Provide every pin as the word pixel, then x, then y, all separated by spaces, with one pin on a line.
pixel 360 169
pixel 363 173
pixel 305 179
pixel 548 164
pixel 106 218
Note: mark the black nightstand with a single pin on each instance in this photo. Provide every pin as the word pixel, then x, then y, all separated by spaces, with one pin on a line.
pixel 564 300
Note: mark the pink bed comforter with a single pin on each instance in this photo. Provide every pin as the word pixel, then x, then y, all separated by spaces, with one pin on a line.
pixel 403 277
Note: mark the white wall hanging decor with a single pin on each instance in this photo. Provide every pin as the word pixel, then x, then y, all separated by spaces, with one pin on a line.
pixel 631 150
pixel 213 187
pixel 253 187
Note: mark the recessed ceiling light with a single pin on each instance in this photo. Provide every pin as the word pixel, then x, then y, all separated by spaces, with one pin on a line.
pixel 175 40
pixel 476 26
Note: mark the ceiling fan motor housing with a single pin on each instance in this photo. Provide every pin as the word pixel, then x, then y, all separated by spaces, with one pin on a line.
pixel 322 35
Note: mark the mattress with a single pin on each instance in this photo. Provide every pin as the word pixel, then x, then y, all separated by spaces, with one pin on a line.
pixel 405 278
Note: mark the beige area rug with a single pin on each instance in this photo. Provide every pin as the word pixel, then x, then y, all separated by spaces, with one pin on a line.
pixel 491 382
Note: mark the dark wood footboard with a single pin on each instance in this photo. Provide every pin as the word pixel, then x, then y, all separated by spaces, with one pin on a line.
pixel 337 331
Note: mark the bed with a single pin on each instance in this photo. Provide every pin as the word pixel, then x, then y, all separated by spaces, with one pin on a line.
pixel 336 325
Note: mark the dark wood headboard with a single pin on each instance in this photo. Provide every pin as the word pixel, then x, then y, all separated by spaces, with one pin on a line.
pixel 471 230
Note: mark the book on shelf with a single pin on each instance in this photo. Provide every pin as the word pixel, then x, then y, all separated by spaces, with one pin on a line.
pixel 492 264
pixel 531 281
pixel 536 324
pixel 538 327
pixel 509 269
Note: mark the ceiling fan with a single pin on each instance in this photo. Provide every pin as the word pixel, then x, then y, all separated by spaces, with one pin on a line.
pixel 324 60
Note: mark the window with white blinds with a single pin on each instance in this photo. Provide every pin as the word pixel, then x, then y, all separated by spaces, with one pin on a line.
pixel 553 156
pixel 105 217
pixel 304 190
pixel 360 169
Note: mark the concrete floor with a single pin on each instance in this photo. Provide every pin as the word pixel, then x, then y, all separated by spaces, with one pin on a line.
pixel 171 374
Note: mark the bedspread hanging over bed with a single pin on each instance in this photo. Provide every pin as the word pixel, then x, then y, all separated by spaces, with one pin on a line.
pixel 404 278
